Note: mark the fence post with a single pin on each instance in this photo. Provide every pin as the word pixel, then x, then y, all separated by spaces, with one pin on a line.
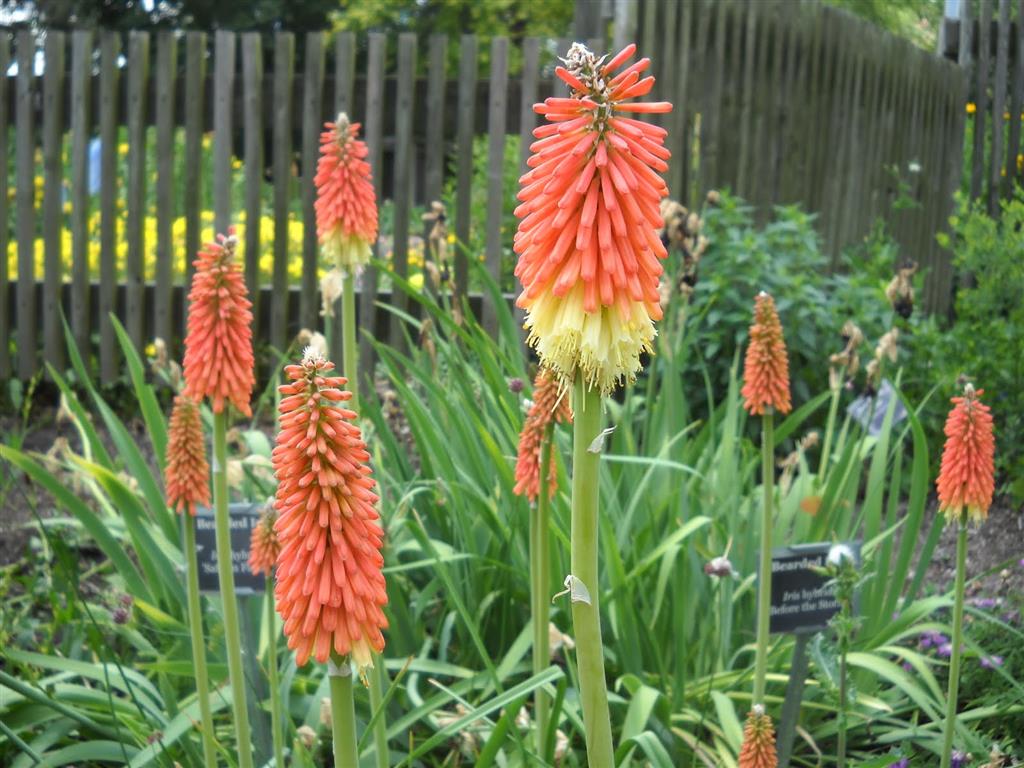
pixel 81 129
pixel 284 63
pixel 312 124
pixel 375 56
pixel 24 190
pixel 498 95
pixel 166 70
pixel 53 170
pixel 195 108
pixel 464 160
pixel 401 192
pixel 5 311
pixel 135 207
pixel 110 51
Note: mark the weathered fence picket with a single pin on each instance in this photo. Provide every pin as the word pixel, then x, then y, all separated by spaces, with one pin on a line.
pixel 778 101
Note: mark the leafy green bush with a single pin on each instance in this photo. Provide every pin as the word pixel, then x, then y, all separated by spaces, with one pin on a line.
pixel 785 258
pixel 986 339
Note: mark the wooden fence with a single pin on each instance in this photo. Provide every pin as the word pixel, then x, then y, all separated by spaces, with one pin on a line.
pixel 782 102
pixel 987 40
pixel 798 102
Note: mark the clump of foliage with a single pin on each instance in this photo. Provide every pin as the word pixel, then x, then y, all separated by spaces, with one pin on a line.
pixel 785 258
pixel 984 340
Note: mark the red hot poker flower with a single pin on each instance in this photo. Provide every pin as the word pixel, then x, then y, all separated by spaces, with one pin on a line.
pixel 346 205
pixel 766 367
pixel 550 405
pixel 758 750
pixel 330 586
pixel 218 345
pixel 588 245
pixel 263 545
pixel 967 477
pixel 187 475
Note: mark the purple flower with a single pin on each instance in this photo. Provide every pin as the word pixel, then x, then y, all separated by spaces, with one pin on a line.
pixel 1021 562
pixel 946 649
pixel 901 763
pixel 515 385
pixel 985 602
pixel 907 666
pixel 958 759
pixel 120 615
pixel 127 600
pixel 932 640
pixel 989 662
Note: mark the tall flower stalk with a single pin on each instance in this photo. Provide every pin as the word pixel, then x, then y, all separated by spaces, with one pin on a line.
pixel 765 392
pixel 537 479
pixel 590 264
pixel 187 481
pixel 346 219
pixel 263 551
pixel 965 486
pixel 330 584
pixel 219 366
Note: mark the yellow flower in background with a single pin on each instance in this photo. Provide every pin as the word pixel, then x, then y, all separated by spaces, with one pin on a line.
pixel 416 281
pixel 122 149
pixel 971 108
pixel 294 234
pixel 236 163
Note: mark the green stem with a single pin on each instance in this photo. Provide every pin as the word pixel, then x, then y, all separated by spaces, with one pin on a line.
pixel 225 572
pixel 586 616
pixel 764 580
pixel 724 621
pixel 841 749
pixel 343 717
pixel 195 627
pixel 350 352
pixel 540 578
pixel 380 731
pixel 956 641
pixel 350 369
pixel 826 445
pixel 276 718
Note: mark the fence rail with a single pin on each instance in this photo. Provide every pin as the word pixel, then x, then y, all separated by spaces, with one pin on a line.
pixel 781 102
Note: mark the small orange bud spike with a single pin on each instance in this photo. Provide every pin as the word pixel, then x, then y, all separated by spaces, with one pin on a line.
pixel 967 477
pixel 263 545
pixel 218 345
pixel 550 405
pixel 766 367
pixel 758 750
pixel 187 474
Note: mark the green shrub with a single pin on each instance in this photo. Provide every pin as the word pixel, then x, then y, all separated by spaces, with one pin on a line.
pixel 785 258
pixel 986 339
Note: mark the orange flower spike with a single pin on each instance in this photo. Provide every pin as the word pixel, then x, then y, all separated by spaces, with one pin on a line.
pixel 263 545
pixel 346 205
pixel 330 587
pixel 758 750
pixel 187 474
pixel 967 477
pixel 218 345
pixel 766 367
pixel 589 252
pixel 550 405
